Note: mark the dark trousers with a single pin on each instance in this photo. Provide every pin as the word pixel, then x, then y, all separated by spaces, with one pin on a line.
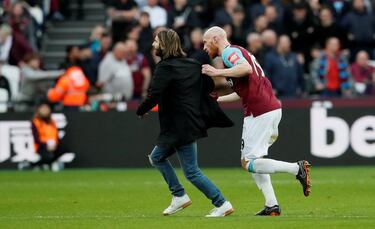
pixel 47 157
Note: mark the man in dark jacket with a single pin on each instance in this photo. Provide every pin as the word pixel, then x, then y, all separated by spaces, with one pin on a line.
pixel 177 89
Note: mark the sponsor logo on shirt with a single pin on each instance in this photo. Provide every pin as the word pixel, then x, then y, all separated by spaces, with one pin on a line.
pixel 233 57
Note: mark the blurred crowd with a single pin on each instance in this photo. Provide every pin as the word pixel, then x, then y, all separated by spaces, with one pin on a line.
pixel 307 48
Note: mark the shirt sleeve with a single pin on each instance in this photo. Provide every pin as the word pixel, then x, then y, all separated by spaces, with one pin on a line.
pixel 232 56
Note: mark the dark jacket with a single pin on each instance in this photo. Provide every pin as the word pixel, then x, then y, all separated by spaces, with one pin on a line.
pixel 285 73
pixel 186 110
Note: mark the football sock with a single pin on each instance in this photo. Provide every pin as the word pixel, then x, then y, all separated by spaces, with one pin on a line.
pixel 264 184
pixel 269 166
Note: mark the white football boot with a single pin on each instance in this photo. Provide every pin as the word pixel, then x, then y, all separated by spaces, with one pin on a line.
pixel 224 210
pixel 177 204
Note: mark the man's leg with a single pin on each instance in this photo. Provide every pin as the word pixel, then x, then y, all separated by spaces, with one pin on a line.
pixel 187 155
pixel 158 158
pixel 270 166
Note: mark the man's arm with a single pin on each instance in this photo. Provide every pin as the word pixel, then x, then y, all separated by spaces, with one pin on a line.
pixel 120 15
pixel 240 70
pixel 222 86
pixel 160 81
pixel 229 98
pixel 236 63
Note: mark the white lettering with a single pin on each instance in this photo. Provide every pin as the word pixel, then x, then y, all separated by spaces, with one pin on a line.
pixel 320 124
pixel 363 130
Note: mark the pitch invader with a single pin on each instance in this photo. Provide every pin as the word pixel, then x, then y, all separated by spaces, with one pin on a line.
pixel 245 79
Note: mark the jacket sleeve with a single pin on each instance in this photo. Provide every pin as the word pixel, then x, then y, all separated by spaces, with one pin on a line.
pixel 159 83
pixel 41 74
pixel 57 93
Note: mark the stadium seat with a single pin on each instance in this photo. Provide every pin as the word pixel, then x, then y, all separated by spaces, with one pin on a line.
pixel 13 74
pixel 3 100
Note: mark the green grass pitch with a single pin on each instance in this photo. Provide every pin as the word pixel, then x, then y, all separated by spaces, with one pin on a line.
pixel 342 197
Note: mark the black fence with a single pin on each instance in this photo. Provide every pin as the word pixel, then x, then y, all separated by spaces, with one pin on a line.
pixel 319 132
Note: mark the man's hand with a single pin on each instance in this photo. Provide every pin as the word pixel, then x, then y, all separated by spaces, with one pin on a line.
pixel 209 70
pixel 142 116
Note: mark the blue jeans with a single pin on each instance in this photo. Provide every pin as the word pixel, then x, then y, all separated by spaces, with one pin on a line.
pixel 187 155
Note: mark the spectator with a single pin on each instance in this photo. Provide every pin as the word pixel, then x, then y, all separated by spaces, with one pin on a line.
pixel 260 24
pixel 255 47
pixel 21 22
pixel 284 70
pixel 87 63
pixel 360 26
pixel 329 28
pixel 363 74
pixel 115 76
pixel 273 19
pixel 300 28
pixel 71 89
pixel 339 7
pixel 95 37
pixel 140 69
pixel 146 37
pixel 182 19
pixel 72 58
pixel 97 57
pixel 122 14
pixel 13 46
pixel 269 40
pixel 315 6
pixel 332 71
pixel 35 82
pixel 239 28
pixel 158 15
pixel 196 48
pixel 224 15
pixel 259 9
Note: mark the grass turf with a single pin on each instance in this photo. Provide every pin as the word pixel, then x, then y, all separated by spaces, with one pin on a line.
pixel 342 197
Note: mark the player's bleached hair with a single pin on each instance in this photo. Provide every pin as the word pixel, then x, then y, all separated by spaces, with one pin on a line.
pixel 170 44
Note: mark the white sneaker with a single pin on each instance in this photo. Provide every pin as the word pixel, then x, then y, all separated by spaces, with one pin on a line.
pixel 177 204
pixel 224 210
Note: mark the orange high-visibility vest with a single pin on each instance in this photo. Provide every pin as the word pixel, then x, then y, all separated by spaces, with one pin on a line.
pixel 71 88
pixel 46 131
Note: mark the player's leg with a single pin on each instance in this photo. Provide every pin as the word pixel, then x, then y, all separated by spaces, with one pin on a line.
pixel 187 155
pixel 180 200
pixel 250 149
pixel 266 129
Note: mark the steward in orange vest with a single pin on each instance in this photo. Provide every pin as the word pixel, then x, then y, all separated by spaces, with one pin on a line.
pixel 71 88
pixel 45 133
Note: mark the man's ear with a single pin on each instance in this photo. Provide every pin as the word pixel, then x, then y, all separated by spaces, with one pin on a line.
pixel 214 38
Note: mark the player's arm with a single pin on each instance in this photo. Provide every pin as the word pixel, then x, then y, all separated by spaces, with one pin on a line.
pixel 236 63
pixel 233 97
pixel 239 70
pixel 222 86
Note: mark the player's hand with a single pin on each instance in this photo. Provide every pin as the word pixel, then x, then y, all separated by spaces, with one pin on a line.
pixel 209 70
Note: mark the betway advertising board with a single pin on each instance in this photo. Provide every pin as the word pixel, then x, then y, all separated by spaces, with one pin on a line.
pixel 319 131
